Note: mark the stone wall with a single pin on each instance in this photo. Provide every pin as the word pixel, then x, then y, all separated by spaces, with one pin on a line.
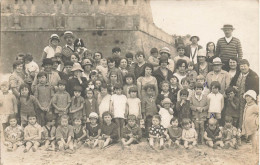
pixel 78 7
pixel 26 26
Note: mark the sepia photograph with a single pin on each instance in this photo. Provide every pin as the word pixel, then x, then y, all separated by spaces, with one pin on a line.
pixel 132 82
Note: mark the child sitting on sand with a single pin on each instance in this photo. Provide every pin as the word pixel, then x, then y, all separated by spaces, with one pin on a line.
pixel 13 134
pixel 79 133
pixel 32 134
pixel 174 133
pixel 189 134
pixel 213 135
pixel 48 133
pixel 65 135
pixel 109 131
pixel 132 133
pixel 229 133
pixel 157 132
pixel 93 130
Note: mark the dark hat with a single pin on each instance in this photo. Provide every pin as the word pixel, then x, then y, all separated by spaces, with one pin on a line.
pixel 154 50
pixel 195 37
pixel 47 61
pixel 227 26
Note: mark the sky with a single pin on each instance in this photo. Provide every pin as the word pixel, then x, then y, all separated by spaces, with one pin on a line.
pixel 205 19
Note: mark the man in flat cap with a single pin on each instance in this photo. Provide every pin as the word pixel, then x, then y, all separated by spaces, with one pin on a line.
pixel 228 46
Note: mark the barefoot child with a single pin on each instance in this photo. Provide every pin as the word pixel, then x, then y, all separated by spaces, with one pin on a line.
pixel 109 131
pixel 133 106
pixel 32 134
pixel 13 134
pixel 149 108
pixel 232 105
pixel 251 119
pixel 213 135
pixel 174 132
pixel 61 99
pixel 48 134
pixel 93 130
pixel 199 108
pixel 27 103
pixel 183 106
pixel 229 133
pixel 76 109
pixel 118 108
pixel 80 133
pixel 65 135
pixel 157 132
pixel 43 93
pixel 132 133
pixel 8 105
pixel 215 101
pixel 189 134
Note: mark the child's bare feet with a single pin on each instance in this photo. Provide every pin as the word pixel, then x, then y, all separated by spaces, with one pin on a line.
pixel 33 149
pixel 61 148
pixel 215 146
pixel 161 147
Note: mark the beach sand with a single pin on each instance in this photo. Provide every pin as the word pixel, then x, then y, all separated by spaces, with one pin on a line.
pixel 135 154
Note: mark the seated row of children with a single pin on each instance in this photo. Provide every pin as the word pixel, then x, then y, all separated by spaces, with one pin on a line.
pixel 93 134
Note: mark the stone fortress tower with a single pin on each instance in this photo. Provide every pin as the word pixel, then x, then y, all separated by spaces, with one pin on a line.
pixel 26 26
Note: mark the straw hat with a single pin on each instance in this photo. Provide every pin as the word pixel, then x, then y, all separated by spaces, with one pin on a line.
pixel 202 53
pixel 55 36
pixel 93 115
pixel 165 50
pixel 194 37
pixel 217 61
pixel 68 33
pixel 227 26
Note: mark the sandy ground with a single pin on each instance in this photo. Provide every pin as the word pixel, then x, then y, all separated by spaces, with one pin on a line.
pixel 135 154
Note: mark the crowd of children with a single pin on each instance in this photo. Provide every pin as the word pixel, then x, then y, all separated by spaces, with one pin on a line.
pixel 82 99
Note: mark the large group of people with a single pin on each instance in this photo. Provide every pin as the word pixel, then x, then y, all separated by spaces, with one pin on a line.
pixel 82 98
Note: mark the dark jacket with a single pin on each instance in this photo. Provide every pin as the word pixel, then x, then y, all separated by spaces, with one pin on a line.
pixel 159 76
pixel 252 81
pixel 188 50
pixel 160 98
pixel 196 68
pixel 136 131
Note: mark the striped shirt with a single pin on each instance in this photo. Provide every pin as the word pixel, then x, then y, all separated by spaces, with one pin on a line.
pixel 226 50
